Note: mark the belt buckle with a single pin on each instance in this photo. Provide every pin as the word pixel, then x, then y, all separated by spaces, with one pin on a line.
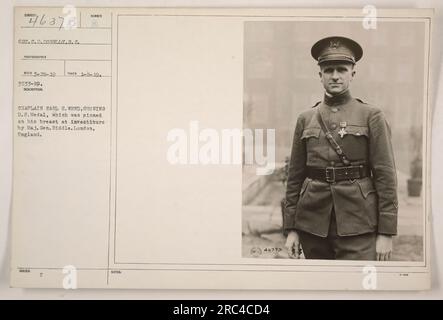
pixel 329 178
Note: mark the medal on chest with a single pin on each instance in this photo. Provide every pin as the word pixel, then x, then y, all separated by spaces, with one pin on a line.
pixel 342 130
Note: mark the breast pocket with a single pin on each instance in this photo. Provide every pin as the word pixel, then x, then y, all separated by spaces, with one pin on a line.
pixel 355 142
pixel 311 135
pixel 357 131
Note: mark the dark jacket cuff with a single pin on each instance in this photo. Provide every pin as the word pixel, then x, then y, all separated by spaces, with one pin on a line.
pixel 288 220
pixel 387 223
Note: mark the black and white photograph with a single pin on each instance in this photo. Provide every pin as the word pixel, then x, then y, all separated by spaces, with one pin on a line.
pixel 347 101
pixel 222 149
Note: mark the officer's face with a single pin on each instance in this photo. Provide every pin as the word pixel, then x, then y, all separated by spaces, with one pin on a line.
pixel 336 76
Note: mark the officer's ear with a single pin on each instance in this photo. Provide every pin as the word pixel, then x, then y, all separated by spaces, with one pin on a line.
pixel 353 72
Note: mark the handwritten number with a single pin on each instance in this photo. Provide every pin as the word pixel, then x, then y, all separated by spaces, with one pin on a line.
pixel 62 22
pixel 33 20
pixel 43 20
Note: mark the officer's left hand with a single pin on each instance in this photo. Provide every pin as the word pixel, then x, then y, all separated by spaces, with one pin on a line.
pixel 293 245
pixel 383 246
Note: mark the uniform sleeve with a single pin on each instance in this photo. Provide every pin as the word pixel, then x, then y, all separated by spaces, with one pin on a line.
pixel 382 163
pixel 296 176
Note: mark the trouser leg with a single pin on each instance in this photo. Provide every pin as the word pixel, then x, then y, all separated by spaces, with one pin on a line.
pixel 361 247
pixel 358 247
pixel 315 247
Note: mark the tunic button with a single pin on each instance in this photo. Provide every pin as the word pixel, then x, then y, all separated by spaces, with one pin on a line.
pixel 333 126
pixel 334 109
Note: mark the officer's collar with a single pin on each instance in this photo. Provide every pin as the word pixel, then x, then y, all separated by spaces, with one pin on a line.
pixel 342 98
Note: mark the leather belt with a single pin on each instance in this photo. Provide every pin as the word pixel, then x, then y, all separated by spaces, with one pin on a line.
pixel 333 174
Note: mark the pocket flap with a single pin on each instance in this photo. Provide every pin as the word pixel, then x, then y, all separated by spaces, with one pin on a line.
pixel 311 132
pixel 357 131
pixel 366 187
pixel 304 186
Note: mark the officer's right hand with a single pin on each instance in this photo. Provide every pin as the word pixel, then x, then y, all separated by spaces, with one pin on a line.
pixel 293 245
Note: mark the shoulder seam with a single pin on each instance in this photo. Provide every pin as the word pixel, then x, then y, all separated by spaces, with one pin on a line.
pixel 316 104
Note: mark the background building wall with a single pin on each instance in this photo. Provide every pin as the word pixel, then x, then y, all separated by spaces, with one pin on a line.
pixel 281 78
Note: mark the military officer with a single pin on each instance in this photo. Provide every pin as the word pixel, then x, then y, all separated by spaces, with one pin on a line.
pixel 341 197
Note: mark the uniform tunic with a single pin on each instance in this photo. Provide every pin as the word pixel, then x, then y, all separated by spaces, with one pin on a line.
pixel 360 206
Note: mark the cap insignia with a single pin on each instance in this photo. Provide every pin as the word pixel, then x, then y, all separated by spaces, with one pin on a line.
pixel 334 44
